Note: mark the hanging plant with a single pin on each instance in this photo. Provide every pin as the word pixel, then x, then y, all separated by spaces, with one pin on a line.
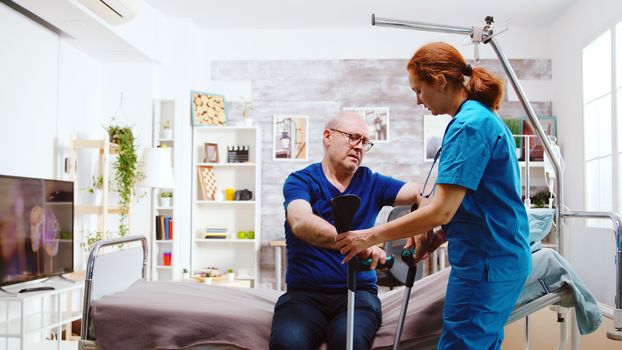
pixel 127 173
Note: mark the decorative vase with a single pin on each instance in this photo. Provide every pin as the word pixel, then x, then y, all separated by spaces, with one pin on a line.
pixel 231 276
pixel 248 122
pixel 166 134
pixel 207 280
pixel 165 201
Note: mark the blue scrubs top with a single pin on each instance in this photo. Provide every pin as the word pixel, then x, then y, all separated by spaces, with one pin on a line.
pixel 488 236
pixel 311 268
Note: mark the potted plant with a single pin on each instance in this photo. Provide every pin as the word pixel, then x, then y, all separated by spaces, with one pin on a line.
pixel 516 128
pixel 165 198
pixel 127 173
pixel 167 131
pixel 246 108
pixel 89 240
pixel 208 278
pixel 95 189
pixel 230 274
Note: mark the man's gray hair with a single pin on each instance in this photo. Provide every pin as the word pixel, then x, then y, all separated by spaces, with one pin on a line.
pixel 335 121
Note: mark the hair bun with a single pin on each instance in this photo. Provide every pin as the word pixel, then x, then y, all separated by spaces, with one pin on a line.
pixel 468 70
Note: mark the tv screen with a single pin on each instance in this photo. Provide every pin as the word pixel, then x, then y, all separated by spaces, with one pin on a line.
pixel 36 228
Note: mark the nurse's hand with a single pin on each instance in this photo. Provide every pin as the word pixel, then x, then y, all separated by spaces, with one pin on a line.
pixel 426 243
pixel 376 254
pixel 352 243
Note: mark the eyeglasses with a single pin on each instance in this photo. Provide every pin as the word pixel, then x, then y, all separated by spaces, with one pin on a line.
pixel 438 153
pixel 355 139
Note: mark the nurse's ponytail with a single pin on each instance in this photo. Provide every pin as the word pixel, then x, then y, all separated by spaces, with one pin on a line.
pixel 440 62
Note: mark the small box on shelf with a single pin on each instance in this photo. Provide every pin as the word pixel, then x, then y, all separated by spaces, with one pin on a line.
pixel 237 154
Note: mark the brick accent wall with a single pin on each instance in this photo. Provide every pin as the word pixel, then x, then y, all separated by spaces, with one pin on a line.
pixel 319 89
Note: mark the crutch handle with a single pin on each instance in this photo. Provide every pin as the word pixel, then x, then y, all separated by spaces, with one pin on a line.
pixel 408 257
pixel 363 264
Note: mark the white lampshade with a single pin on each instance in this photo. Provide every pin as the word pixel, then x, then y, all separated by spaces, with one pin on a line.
pixel 157 168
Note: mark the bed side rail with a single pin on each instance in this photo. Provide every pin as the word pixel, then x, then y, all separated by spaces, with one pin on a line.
pixel 90 267
pixel 616 333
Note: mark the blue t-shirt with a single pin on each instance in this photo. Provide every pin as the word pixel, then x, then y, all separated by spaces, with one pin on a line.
pixel 488 236
pixel 311 268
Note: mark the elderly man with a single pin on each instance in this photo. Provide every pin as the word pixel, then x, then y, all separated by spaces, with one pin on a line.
pixel 313 310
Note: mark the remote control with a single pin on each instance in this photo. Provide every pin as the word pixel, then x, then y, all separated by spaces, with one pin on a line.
pixel 36 289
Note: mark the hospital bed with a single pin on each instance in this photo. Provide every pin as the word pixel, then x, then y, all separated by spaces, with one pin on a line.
pixel 423 320
pixel 124 310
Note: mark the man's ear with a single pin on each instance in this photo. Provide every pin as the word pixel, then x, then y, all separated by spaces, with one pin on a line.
pixel 326 137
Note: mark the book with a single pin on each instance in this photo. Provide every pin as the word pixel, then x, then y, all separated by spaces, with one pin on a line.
pixel 166 228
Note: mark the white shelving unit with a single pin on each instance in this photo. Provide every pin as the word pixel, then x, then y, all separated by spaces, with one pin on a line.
pixel 241 255
pixel 29 318
pixel 161 270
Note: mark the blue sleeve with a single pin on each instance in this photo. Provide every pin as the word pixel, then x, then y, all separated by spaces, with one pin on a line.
pixel 295 188
pixel 389 188
pixel 464 157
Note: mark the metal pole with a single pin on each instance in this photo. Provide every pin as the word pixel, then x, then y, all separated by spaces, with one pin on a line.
pixel 559 184
pixel 428 27
pixel 527 172
pixel 617 227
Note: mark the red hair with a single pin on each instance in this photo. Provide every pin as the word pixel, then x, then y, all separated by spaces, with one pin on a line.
pixel 440 61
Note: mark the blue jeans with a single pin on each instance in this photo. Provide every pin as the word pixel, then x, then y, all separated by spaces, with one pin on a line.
pixel 475 312
pixel 304 320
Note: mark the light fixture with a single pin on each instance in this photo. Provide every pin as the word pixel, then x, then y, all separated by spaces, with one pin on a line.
pixel 157 168
pixel 285 140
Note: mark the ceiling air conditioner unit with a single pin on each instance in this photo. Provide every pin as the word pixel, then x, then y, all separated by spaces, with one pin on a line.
pixel 113 11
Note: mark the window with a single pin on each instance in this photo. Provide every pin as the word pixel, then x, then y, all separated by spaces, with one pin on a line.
pixel 598 105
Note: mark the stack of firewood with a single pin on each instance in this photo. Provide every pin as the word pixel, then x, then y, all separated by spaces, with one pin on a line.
pixel 208 109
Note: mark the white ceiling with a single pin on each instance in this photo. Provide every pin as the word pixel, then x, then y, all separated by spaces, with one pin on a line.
pixel 280 14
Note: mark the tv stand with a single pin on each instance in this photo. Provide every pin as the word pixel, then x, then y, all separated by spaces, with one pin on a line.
pixel 41 313
pixel 36 289
pixel 7 292
pixel 58 277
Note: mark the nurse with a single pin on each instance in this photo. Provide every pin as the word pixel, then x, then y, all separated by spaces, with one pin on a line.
pixel 476 199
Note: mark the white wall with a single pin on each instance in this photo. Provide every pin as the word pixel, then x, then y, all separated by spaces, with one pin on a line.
pixel 28 96
pixel 589 250
pixel 372 43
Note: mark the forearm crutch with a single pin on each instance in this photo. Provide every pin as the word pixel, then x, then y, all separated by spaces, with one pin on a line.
pixel 408 257
pixel 344 208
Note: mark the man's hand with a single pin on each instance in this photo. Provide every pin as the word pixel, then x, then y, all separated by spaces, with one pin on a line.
pixel 376 254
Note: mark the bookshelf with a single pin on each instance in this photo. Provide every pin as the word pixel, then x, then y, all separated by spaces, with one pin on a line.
pixel 164 257
pixel 213 210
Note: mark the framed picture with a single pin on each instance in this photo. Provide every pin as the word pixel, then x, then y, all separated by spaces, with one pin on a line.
pixel 516 128
pixel 211 153
pixel 377 119
pixel 207 109
pixel 433 131
pixel 207 182
pixel 536 148
pixel 290 138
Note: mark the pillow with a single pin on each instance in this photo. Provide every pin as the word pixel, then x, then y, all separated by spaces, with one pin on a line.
pixel 540 223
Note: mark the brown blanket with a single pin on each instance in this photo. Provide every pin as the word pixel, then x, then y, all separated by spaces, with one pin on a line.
pixel 174 315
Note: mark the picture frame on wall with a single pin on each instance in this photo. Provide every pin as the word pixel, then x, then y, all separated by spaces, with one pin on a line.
pixel 536 148
pixel 433 131
pixel 377 119
pixel 290 138
pixel 516 128
pixel 207 109
pixel 211 153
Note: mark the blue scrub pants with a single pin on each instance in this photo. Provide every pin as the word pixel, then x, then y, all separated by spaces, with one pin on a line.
pixel 304 320
pixel 475 312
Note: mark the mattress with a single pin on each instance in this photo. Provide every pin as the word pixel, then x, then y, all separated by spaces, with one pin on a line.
pixel 177 315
